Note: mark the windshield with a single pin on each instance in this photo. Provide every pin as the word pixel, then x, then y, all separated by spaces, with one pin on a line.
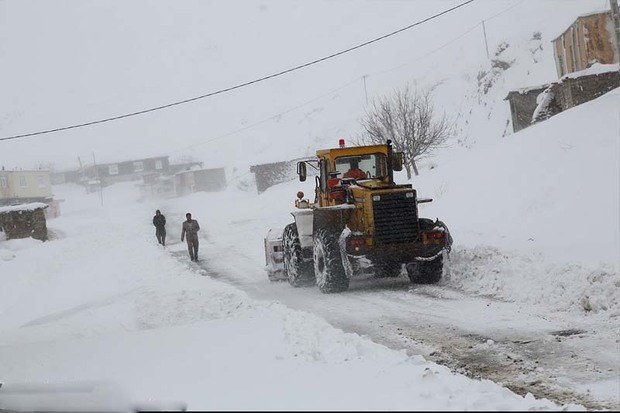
pixel 361 166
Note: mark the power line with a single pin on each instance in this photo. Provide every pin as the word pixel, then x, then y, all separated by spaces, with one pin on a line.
pixel 363 78
pixel 460 36
pixel 504 11
pixel 280 114
pixel 313 62
pixel 415 60
pixel 260 122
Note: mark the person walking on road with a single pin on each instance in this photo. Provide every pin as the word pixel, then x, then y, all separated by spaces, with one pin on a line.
pixel 190 231
pixel 159 221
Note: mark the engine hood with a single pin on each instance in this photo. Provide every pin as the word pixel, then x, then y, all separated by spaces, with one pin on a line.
pixel 378 184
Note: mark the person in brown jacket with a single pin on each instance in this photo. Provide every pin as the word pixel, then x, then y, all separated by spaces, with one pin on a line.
pixel 190 232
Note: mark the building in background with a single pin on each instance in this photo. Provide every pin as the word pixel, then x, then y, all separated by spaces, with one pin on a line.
pixel 20 187
pixel 200 180
pixel 113 172
pixel 586 59
pixel 184 182
pixel 589 39
pixel 25 186
pixel 132 170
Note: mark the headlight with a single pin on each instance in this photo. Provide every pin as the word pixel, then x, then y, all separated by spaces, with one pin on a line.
pixel 409 194
pixel 376 197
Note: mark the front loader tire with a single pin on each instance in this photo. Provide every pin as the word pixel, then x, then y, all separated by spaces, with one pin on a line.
pixel 330 274
pixel 298 272
pixel 425 272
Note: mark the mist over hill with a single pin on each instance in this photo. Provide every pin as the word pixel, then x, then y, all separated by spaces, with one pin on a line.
pixel 85 60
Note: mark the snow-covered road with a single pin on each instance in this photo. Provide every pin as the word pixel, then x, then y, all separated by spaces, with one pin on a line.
pixel 559 357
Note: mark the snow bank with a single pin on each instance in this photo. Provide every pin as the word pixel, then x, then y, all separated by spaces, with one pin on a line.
pixel 571 287
pixel 103 303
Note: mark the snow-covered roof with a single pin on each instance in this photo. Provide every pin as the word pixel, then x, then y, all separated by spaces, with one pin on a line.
pixel 19 170
pixel 23 207
pixel 196 168
pixel 115 161
pixel 595 69
pixel 528 89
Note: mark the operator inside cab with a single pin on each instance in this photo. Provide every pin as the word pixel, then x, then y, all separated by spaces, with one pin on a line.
pixel 354 172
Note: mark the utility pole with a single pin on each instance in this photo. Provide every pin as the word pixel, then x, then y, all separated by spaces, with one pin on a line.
pixel 82 177
pixel 365 90
pixel 98 180
pixel 486 44
pixel 615 16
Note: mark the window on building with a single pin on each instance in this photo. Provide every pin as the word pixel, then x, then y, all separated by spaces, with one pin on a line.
pixel 113 169
pixel 4 183
pixel 138 166
pixel 41 182
pixel 159 164
pixel 22 181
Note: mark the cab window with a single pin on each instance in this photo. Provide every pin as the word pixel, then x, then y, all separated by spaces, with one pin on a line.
pixel 371 166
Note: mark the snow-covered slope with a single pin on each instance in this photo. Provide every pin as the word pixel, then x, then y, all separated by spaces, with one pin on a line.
pixel 553 186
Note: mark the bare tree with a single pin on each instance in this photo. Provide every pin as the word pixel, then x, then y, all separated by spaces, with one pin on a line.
pixel 410 121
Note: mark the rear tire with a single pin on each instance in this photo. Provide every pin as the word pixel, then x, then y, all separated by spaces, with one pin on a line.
pixel 330 274
pixel 298 272
pixel 425 272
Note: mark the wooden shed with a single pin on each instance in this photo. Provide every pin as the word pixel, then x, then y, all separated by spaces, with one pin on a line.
pixel 200 180
pixel 589 39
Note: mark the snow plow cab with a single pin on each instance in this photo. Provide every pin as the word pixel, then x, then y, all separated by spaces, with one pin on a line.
pixel 360 222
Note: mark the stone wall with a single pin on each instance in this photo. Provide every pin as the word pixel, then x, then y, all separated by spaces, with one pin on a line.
pixel 24 224
pixel 273 173
pixel 522 106
pixel 575 91
pixel 565 94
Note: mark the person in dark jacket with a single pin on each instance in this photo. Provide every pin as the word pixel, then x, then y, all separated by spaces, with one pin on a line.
pixel 190 231
pixel 159 220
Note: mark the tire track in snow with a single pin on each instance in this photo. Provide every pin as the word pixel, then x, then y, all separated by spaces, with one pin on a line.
pixel 525 357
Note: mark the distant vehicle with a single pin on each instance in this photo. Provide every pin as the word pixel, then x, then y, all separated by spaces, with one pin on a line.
pixel 356 225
